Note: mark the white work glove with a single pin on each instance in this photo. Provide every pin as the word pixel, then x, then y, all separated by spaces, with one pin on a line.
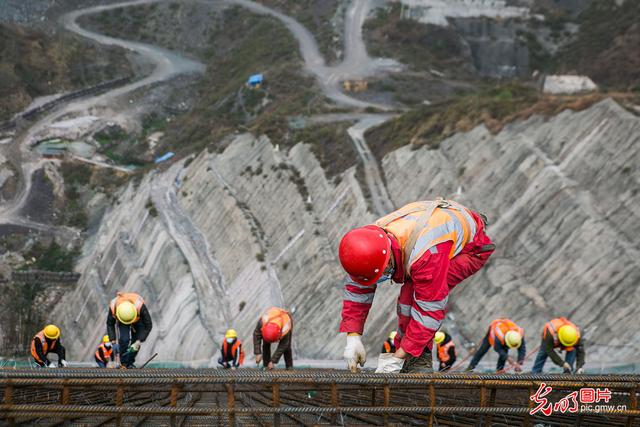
pixel 566 368
pixel 51 365
pixel 354 353
pixel 580 371
pixel 64 363
pixel 136 346
pixel 389 364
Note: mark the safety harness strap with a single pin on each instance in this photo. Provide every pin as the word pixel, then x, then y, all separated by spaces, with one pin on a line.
pixel 428 207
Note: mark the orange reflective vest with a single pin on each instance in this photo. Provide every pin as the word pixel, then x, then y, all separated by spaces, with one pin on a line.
pixel 45 346
pixel 105 351
pixel 132 297
pixel 280 317
pixel 553 326
pixel 500 327
pixel 234 349
pixel 448 221
pixel 443 351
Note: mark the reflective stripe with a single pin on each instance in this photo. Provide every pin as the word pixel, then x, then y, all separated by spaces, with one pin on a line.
pixel 431 305
pixel 459 228
pixel 359 286
pixel 426 321
pixel 425 240
pixel 404 310
pixel 361 298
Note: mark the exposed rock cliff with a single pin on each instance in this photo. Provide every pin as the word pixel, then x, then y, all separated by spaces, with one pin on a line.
pixel 211 244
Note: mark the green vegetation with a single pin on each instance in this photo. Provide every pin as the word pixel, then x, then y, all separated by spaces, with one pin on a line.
pixel 421 46
pixel 126 149
pixel 316 16
pixel 76 177
pixel 607 46
pixel 35 63
pixel 51 257
pixel 265 46
pixel 330 144
pixel 493 106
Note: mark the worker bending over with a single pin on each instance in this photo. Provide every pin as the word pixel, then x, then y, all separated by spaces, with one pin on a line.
pixel 104 353
pixel 128 325
pixel 447 353
pixel 232 355
pixel 274 325
pixel 48 341
pixel 503 335
pixel 429 247
pixel 565 336
pixel 389 346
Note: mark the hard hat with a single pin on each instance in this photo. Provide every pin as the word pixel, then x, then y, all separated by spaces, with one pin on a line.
pixel 271 332
pixel 231 333
pixel 105 338
pixel 126 312
pixel 439 337
pixel 52 332
pixel 364 253
pixel 568 335
pixel 513 339
pixel 392 335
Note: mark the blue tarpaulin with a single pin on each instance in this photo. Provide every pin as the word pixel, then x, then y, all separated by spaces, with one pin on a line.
pixel 255 80
pixel 164 157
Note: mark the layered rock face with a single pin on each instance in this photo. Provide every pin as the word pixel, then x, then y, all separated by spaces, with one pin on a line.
pixel 212 244
pixel 563 205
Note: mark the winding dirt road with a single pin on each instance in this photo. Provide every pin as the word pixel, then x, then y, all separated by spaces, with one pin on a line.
pixel 166 66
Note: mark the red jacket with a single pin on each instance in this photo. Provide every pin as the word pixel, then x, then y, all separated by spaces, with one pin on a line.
pixel 431 288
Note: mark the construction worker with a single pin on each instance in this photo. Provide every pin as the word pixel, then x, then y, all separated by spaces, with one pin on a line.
pixel 128 325
pixel 503 335
pixel 232 354
pixel 447 353
pixel 389 346
pixel 104 353
pixel 561 334
pixel 274 325
pixel 430 247
pixel 48 341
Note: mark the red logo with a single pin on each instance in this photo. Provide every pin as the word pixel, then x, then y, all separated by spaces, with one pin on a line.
pixel 568 404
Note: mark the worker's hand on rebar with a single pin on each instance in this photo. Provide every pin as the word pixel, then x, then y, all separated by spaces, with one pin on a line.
pixel 518 367
pixel 354 353
pixel 258 358
pixel 270 366
pixel 566 368
pixel 580 371
pixel 63 363
pixel 135 347
pixel 389 364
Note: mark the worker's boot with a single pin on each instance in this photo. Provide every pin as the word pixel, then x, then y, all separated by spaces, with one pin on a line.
pixel 419 365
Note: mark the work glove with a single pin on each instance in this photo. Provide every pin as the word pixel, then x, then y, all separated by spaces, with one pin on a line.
pixel 389 364
pixel 580 371
pixel 135 347
pixel 258 358
pixel 566 368
pixel 354 353
pixel 63 363
pixel 51 365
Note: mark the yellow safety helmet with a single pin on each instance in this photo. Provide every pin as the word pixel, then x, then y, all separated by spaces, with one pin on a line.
pixel 52 332
pixel 126 312
pixel 568 335
pixel 513 339
pixel 439 337
pixel 392 335
pixel 105 339
pixel 231 333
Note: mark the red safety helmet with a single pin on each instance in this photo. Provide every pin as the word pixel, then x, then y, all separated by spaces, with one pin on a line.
pixel 364 253
pixel 271 332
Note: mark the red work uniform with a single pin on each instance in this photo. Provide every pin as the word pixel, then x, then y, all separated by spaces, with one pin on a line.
pixel 451 247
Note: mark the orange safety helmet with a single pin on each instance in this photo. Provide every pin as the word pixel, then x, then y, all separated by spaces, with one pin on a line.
pixel 271 332
pixel 364 253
